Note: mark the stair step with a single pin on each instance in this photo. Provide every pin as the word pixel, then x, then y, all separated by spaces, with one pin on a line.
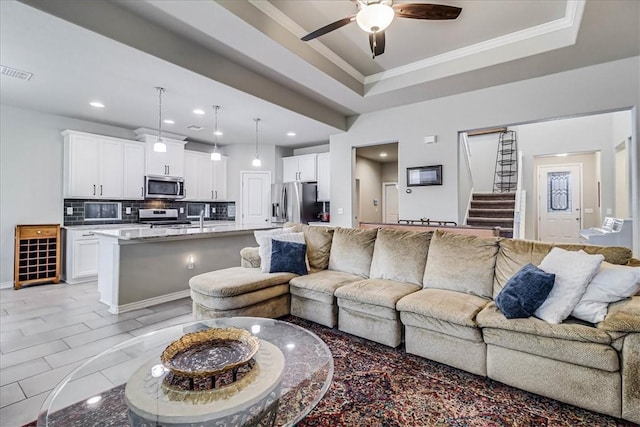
pixel 489 222
pixel 494 196
pixel 491 213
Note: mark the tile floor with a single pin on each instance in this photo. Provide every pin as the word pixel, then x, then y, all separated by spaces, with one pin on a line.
pixel 47 331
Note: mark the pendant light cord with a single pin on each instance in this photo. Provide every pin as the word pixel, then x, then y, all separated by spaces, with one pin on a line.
pixel 160 90
pixel 215 128
pixel 256 120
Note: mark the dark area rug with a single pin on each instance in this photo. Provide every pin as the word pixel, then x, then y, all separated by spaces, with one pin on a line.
pixel 374 385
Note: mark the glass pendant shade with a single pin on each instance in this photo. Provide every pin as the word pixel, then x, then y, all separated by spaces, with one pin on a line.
pixel 215 155
pixel 159 146
pixel 375 17
pixel 256 162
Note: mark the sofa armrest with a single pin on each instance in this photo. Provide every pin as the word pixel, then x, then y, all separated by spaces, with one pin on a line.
pixel 623 316
pixel 250 258
pixel 631 378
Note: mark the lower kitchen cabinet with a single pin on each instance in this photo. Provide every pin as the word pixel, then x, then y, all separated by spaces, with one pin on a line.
pixel 81 256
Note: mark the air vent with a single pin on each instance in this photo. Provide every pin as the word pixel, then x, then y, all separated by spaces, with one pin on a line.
pixel 12 72
pixel 194 127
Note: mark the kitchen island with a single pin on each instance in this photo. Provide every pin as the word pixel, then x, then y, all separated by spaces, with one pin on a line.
pixel 141 267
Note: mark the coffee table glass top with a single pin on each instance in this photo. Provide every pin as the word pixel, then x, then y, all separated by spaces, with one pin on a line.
pixel 127 385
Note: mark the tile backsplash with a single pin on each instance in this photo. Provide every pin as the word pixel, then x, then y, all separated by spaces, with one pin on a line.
pixel 225 211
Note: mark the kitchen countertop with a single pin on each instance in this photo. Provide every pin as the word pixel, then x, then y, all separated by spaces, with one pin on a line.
pixel 135 225
pixel 210 229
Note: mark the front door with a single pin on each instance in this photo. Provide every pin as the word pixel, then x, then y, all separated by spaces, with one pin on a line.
pixel 559 203
pixel 256 198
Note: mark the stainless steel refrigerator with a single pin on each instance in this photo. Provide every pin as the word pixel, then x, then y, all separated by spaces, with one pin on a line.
pixel 294 202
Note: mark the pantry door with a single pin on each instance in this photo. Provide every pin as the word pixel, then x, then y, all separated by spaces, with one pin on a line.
pixel 256 198
pixel 559 203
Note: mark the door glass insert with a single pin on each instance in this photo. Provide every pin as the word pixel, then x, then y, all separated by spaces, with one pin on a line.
pixel 559 192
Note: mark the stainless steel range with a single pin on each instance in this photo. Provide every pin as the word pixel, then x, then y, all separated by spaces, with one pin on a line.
pixel 161 218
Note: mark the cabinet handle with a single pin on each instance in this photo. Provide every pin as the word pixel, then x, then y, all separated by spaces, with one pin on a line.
pixel 101 189
pixel 141 191
pixel 168 170
pixel 94 189
pixel 88 234
pixel 212 194
pixel 216 194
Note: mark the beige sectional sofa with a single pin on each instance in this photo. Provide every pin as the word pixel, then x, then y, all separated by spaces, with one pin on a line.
pixel 435 292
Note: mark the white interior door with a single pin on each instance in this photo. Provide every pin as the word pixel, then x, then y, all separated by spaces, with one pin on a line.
pixel 256 198
pixel 390 202
pixel 623 182
pixel 559 203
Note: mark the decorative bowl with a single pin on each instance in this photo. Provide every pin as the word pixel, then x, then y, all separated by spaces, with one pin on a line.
pixel 210 352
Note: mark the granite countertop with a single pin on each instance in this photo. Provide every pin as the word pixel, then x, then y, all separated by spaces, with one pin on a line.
pixel 210 229
pixel 129 226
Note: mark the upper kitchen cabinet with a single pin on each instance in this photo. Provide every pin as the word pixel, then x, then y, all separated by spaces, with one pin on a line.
pixel 169 163
pixel 324 180
pixel 93 166
pixel 219 179
pixel 204 179
pixel 133 169
pixel 299 168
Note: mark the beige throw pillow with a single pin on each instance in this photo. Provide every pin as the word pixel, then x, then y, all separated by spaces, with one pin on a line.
pixel 352 250
pixel 400 255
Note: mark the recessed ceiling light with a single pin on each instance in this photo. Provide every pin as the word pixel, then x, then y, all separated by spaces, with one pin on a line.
pixel 218 133
pixel 168 121
pixel 97 104
pixel 291 134
pixel 198 112
pixel 562 155
pixel 383 154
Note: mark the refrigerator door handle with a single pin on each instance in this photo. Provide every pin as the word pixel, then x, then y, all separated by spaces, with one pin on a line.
pixel 285 210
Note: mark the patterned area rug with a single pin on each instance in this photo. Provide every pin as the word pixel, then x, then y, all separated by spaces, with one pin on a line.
pixel 374 385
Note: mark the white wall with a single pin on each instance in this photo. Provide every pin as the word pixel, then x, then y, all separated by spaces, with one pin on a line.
pixel 31 172
pixel 322 148
pixel 483 161
pixel 604 87
pixel 369 173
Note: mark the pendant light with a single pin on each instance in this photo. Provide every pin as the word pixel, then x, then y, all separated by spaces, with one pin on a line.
pixel 215 155
pixel 159 146
pixel 256 161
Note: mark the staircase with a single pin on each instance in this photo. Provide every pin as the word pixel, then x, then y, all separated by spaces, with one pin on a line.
pixel 493 210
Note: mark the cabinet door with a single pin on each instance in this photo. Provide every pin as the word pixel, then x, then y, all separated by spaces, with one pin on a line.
pixel 85 258
pixel 83 174
pixel 111 170
pixel 190 175
pixel 307 168
pixel 175 158
pixel 289 169
pixel 133 171
pixel 205 169
pixel 324 182
pixel 219 179
pixel 156 163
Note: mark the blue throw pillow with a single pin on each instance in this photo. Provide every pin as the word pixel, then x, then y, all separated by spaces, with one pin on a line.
pixel 288 257
pixel 525 292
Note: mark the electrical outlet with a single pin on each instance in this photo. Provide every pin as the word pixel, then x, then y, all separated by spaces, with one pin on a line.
pixel 340 211
pixel 181 210
pixel 609 211
pixel 213 209
pixel 127 210
pixel 70 211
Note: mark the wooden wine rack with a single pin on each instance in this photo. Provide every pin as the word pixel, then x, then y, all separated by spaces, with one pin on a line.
pixel 37 254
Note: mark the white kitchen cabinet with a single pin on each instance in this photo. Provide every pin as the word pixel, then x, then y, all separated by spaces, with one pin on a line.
pixel 81 256
pixel 299 168
pixel 219 179
pixel 324 177
pixel 93 166
pixel 204 178
pixel 133 170
pixel 169 163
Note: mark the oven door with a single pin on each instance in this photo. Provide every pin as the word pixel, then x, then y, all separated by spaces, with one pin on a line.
pixel 162 187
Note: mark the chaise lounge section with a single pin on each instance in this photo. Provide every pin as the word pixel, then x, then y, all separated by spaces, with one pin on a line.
pixel 435 291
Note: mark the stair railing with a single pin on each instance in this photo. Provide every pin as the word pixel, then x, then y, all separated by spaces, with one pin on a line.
pixel 465 184
pixel 520 205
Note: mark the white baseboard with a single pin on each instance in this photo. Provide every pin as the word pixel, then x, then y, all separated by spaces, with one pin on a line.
pixel 116 309
pixel 6 285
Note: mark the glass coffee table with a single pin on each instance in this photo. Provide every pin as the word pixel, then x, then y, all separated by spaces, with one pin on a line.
pixel 127 385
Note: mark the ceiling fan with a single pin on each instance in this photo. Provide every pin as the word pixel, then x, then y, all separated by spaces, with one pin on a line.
pixel 374 16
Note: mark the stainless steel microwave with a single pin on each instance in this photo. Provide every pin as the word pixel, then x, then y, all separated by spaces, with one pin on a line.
pixel 164 187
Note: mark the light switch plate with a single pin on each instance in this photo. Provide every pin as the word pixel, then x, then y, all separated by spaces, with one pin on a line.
pixel 609 211
pixel 69 211
pixel 340 211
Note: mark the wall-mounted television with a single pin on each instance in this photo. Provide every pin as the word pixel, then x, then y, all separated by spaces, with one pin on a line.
pixel 424 175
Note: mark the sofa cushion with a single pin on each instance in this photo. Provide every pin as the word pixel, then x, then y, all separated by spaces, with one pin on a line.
pixel 574 271
pixel 572 330
pixel 250 257
pixel 239 301
pixel 612 284
pixel 449 332
pixel 288 257
pixel 320 286
pixel 450 306
pixel 352 250
pixel 236 281
pixel 525 292
pixel 400 255
pixel 623 316
pixel 592 355
pixel 380 292
pixel 318 241
pixel 515 253
pixel 461 263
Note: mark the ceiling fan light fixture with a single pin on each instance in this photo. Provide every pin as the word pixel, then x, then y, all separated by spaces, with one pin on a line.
pixel 375 17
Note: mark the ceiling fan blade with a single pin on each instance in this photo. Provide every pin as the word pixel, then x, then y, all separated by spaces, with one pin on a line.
pixel 426 11
pixel 376 42
pixel 328 28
